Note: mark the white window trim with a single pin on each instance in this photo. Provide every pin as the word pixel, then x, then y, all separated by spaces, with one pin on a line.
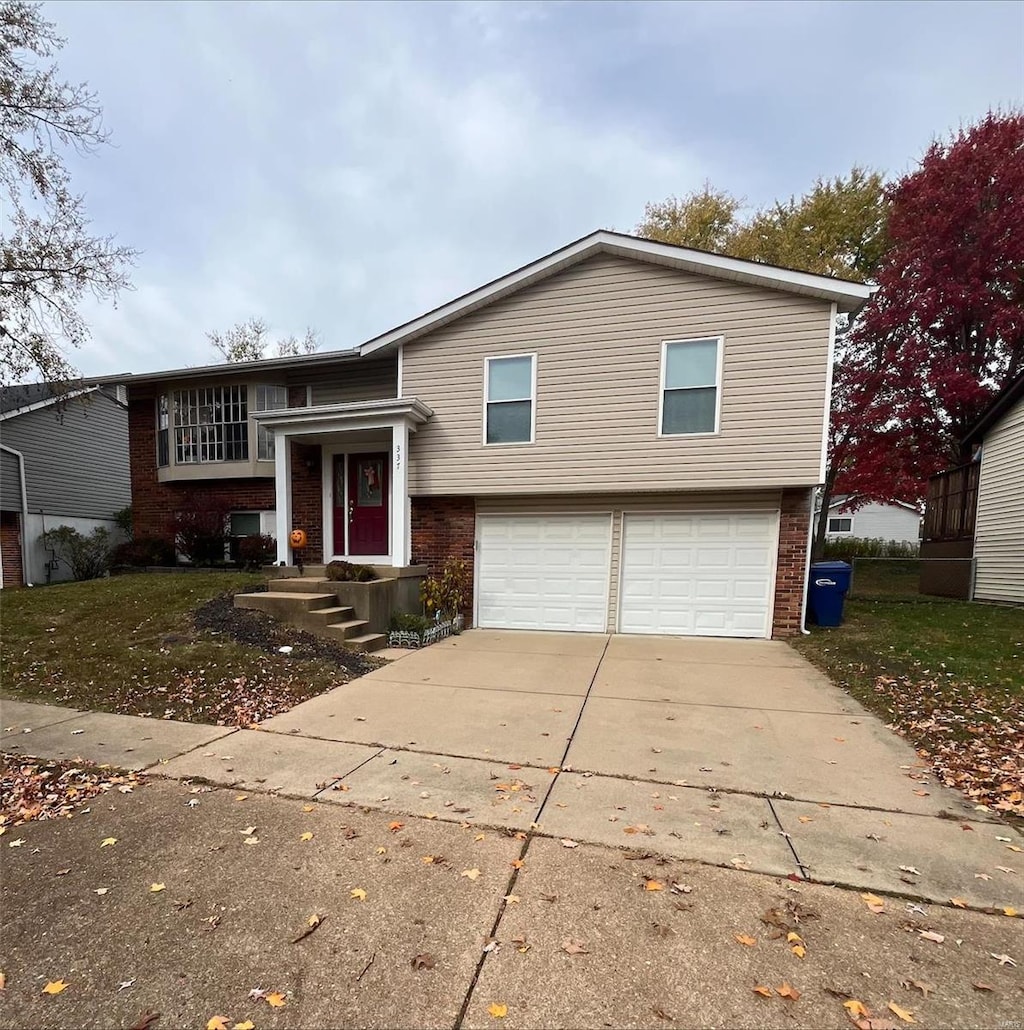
pixel 840 532
pixel 533 400
pixel 720 344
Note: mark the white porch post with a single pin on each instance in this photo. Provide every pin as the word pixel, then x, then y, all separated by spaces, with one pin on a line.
pixel 283 494
pixel 400 493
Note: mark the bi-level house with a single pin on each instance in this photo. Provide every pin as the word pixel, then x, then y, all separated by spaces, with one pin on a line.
pixel 622 436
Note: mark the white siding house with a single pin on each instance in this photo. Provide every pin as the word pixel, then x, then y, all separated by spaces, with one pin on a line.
pixel 900 522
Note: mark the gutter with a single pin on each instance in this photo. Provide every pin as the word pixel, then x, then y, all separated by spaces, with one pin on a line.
pixel 24 513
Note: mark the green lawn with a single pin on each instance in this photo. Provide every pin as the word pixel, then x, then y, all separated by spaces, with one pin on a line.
pixel 948 675
pixel 130 644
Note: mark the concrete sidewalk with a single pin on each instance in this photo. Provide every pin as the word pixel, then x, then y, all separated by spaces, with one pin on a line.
pixel 731 753
pixel 496 929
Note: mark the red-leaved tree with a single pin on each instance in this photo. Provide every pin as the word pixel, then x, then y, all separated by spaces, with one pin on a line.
pixel 945 331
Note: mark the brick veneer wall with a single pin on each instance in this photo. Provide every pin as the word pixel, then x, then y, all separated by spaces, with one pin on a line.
pixel 442 528
pixel 154 503
pixel 10 549
pixel 790 577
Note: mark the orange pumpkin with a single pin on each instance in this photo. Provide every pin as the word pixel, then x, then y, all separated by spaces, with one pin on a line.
pixel 297 538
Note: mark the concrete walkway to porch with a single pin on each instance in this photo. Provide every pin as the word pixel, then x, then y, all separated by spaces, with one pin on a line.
pixel 734 753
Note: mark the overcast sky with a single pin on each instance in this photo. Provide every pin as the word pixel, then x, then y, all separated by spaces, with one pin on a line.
pixel 348 167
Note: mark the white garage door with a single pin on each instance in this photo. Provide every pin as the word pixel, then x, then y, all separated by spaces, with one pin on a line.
pixel 700 575
pixel 543 571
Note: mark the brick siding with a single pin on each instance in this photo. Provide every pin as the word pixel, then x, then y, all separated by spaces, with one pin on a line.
pixel 154 503
pixel 10 549
pixel 442 528
pixel 790 577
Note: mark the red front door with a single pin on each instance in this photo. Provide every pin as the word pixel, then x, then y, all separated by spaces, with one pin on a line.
pixel 367 504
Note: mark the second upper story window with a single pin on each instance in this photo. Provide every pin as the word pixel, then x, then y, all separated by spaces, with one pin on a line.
pixel 840 525
pixel 690 386
pixel 268 398
pixel 211 423
pixel 510 387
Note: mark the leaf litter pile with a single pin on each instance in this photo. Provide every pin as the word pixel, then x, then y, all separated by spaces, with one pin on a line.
pixel 35 788
pixel 974 741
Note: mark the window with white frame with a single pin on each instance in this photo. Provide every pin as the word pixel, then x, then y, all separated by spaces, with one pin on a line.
pixel 211 423
pixel 690 386
pixel 163 447
pixel 268 398
pixel 509 398
pixel 840 525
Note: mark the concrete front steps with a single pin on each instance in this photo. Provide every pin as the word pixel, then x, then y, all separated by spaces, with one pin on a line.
pixel 312 604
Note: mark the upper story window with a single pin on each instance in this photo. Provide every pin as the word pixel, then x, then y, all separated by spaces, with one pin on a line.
pixel 510 393
pixel 840 525
pixel 691 373
pixel 268 398
pixel 211 423
pixel 163 447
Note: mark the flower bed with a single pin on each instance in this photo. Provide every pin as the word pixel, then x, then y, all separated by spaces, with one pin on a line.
pixel 408 633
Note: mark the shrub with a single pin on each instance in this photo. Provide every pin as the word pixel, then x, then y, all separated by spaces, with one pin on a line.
pixel 123 518
pixel 88 557
pixel 448 593
pixel 144 550
pixel 347 572
pixel 256 550
pixel 410 623
pixel 848 547
pixel 200 529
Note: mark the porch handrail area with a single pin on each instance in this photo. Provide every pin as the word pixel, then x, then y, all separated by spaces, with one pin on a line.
pixel 952 503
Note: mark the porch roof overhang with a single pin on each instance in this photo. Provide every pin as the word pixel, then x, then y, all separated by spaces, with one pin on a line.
pixel 347 417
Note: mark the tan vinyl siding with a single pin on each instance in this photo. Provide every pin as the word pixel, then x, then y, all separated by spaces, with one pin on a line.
pixel 597 329
pixel 617 505
pixel 372 380
pixel 999 531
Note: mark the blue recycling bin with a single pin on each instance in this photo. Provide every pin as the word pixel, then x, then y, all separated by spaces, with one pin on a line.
pixel 830 580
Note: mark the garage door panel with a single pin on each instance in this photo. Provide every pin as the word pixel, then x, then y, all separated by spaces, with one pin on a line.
pixel 543 572
pixel 697 574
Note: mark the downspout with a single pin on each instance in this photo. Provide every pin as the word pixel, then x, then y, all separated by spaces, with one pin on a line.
pixel 807 571
pixel 24 513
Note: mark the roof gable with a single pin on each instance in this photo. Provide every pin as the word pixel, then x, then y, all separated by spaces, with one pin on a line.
pixel 847 296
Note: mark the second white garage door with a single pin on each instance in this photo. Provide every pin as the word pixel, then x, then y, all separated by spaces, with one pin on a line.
pixel 699 575
pixel 543 572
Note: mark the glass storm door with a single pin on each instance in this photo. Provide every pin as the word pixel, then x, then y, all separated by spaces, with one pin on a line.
pixel 364 504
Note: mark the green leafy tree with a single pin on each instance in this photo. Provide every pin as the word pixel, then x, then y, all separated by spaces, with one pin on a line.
pixel 50 260
pixel 836 228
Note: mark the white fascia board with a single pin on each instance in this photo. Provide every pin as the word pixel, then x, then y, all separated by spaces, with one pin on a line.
pixel 339 417
pixel 847 296
pixel 47 402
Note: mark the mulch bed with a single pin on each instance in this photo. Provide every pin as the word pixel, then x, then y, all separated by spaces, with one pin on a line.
pixel 257 629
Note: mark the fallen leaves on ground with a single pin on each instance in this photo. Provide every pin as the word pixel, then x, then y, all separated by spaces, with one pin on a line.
pixel 788 991
pixel 765 992
pixel 874 903
pixel 108 842
pixel 423 961
pixel 745 939
pixel 653 885
pixel 971 737
pixel 470 874
pixel 905 1014
pixel 497 1011
pixel 306 836
pixel 358 893
pixel 856 1009
pixel 55 987
pixel 37 788
pixel 573 946
pixel 311 924
pixel 156 888
pixel 247 1025
pixel 276 1000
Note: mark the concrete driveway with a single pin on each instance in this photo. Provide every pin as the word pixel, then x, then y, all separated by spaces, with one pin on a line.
pixel 733 752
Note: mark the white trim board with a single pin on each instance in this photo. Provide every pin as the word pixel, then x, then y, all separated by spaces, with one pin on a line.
pixel 847 296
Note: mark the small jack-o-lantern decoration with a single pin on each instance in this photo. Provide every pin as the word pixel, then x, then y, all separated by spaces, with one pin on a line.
pixel 297 539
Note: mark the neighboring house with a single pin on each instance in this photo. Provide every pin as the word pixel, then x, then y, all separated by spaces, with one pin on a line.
pixel 620 436
pixel 873 521
pixel 63 462
pixel 974 518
